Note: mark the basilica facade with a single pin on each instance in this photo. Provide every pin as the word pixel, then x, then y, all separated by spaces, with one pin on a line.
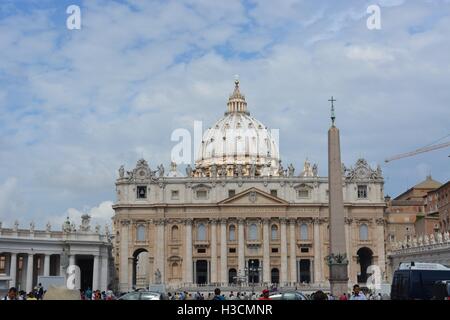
pixel 239 217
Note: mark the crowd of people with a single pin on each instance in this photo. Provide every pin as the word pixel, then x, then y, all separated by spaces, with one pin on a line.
pixel 38 293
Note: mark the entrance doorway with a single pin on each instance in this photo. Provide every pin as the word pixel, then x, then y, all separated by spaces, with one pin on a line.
pixel 86 265
pixel 275 275
pixel 253 271
pixel 305 270
pixel 201 271
pixel 365 257
pixel 232 276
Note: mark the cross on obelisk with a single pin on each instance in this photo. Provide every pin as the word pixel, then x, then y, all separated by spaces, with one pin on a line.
pixel 332 100
pixel 337 258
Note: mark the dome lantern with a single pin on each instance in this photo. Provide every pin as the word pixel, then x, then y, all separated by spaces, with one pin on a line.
pixel 236 101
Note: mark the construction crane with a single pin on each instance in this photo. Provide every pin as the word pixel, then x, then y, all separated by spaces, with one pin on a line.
pixel 420 150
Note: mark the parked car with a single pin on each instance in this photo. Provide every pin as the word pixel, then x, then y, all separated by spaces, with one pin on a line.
pixel 441 290
pixel 143 295
pixel 290 295
pixel 415 280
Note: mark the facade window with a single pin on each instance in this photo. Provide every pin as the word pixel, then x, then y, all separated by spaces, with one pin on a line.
pixel 175 233
pixel 363 232
pixel 274 232
pixel 231 193
pixel 274 250
pixel 201 232
pixel 253 232
pixel 141 192
pixel 201 194
pixel 232 250
pixel 2 264
pixel 303 194
pixel 140 233
pixel 304 250
pixel 362 192
pixel 392 237
pixel 201 250
pixel 175 195
pixel 273 193
pixel 232 234
pixel 303 231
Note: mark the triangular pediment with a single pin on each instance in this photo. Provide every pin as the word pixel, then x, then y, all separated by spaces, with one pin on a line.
pixel 252 197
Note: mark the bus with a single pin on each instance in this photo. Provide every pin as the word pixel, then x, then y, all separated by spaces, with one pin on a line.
pixel 416 280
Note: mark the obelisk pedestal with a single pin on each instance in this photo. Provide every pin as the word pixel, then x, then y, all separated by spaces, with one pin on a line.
pixel 337 259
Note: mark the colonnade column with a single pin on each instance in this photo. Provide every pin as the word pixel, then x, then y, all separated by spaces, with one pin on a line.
pixel 284 273
pixel 214 251
pixel 123 276
pixel 13 269
pixel 266 251
pixel 241 247
pixel 223 253
pixel 188 258
pixel 30 262
pixel 46 265
pixel 292 251
pixel 317 251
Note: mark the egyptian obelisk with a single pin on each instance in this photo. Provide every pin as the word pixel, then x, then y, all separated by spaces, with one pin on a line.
pixel 337 259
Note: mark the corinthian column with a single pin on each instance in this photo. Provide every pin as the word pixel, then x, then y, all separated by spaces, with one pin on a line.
pixel 266 252
pixel 30 263
pixel 348 236
pixel 160 248
pixel 124 239
pixel 292 251
pixel 380 246
pixel 188 256
pixel 214 251
pixel 284 272
pixel 223 252
pixel 317 252
pixel 241 246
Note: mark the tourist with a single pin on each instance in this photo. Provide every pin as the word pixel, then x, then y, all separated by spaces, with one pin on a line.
pixel 319 295
pixel 12 294
pixel 31 296
pixel 357 293
pixel 231 296
pixel 343 297
pixel 217 295
pixel 88 294
pixel 265 295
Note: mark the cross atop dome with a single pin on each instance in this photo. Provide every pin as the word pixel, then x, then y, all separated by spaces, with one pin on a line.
pixel 236 101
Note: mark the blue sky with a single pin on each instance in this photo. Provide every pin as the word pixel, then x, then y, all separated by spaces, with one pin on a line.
pixel 77 104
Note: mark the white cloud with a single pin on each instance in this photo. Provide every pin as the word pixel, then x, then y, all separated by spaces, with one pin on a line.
pixel 369 54
pixel 8 199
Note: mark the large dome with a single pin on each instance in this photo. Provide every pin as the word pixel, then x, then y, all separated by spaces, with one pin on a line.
pixel 239 139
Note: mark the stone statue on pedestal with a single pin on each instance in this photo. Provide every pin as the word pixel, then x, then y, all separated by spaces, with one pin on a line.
pixel 291 170
pixel 439 237
pixel 253 170
pixel 157 277
pixel 121 171
pixel 214 171
pixel 85 223
pixel 161 170
pixel 32 226
pixel 188 171
pixel 48 227
pixel 315 170
pixel 446 236
pixel 16 225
